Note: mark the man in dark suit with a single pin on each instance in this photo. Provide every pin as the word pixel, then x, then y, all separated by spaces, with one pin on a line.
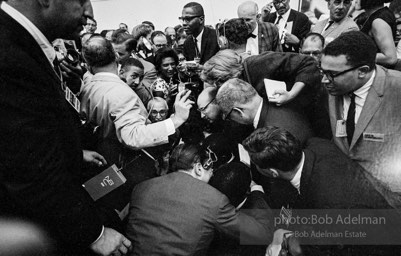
pixel 201 43
pixel 40 152
pixel 241 103
pixel 323 178
pixel 293 25
pixel 263 36
pixel 178 214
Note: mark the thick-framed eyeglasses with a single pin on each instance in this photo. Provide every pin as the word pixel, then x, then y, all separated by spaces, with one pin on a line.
pixel 312 53
pixel 227 116
pixel 330 75
pixel 158 46
pixel 212 158
pixel 189 18
pixel 162 112
pixel 202 109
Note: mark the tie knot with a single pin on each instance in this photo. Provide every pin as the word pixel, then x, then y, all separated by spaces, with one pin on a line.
pixel 352 96
pixel 251 35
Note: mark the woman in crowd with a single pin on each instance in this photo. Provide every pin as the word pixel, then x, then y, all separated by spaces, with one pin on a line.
pixel 379 23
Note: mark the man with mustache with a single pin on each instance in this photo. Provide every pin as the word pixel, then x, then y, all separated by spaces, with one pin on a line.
pixel 338 22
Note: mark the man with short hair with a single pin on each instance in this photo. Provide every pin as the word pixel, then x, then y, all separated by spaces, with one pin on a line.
pixel 240 103
pixel 179 213
pixel 123 26
pixel 117 110
pixel 132 73
pixel 338 22
pixel 312 45
pixel 91 25
pixel 159 40
pixel 293 25
pixel 170 31
pixel 364 105
pixel 201 43
pixel 207 105
pixel 263 36
pixel 40 150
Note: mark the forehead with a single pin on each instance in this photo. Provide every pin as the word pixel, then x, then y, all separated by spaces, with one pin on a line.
pixel 160 39
pixel 170 31
pixel 203 99
pixel 284 2
pixel 135 69
pixel 157 105
pixel 314 44
pixel 167 60
pixel 189 11
pixel 334 63
pixel 247 12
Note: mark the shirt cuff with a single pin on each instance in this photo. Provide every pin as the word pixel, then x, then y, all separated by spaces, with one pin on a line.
pixel 101 233
pixel 170 126
pixel 257 188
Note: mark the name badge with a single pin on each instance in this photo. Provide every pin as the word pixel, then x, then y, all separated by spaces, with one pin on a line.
pixel 72 99
pixel 341 129
pixel 371 136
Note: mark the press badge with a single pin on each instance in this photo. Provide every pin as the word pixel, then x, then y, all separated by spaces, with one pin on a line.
pixel 371 136
pixel 72 99
pixel 341 129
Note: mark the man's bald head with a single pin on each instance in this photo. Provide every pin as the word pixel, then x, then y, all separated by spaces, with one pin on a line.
pixel 249 11
pixel 98 52
pixel 207 104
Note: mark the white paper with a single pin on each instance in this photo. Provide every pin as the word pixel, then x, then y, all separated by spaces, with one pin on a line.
pixel 272 85
pixel 243 155
pixel 289 26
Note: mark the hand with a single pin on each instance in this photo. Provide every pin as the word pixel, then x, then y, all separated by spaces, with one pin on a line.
pixel 72 75
pixel 182 106
pixel 280 97
pixel 266 10
pixel 291 39
pixel 111 243
pixel 94 158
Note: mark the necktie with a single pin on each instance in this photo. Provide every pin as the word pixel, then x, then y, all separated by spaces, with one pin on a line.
pixel 350 125
pixel 278 20
pixel 329 24
pixel 197 52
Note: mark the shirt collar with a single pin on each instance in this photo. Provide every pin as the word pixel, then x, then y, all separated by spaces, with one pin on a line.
pixel 296 181
pixel 363 91
pixel 39 37
pixel 199 37
pixel 257 116
pixel 285 15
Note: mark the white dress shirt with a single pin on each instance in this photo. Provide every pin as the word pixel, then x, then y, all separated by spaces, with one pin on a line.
pixel 296 181
pixel 257 116
pixel 252 45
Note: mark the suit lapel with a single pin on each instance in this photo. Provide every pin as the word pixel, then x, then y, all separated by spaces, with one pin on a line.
pixel 205 37
pixel 263 114
pixel 26 41
pixel 372 104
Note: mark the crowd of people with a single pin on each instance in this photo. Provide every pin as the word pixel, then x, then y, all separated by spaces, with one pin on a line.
pixel 214 128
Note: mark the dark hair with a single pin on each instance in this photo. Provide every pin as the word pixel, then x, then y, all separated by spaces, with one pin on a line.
pixel 119 36
pixel 221 145
pixel 131 62
pixel 184 156
pixel 156 33
pixel 273 147
pixel 197 7
pixel 233 180
pixel 163 53
pixel 358 48
pixel 235 30
pixel 98 52
pixel 313 36
pixel 150 24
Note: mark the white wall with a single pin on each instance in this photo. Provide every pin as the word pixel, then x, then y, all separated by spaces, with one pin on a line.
pixel 110 13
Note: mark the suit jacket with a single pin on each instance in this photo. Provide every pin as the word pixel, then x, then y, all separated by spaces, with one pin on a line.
pixel 176 214
pixel 40 152
pixel 291 68
pixel 336 29
pixel 301 26
pixel 286 117
pixel 209 46
pixel 376 144
pixel 268 37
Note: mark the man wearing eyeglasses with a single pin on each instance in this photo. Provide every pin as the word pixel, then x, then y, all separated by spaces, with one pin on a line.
pixel 293 25
pixel 201 43
pixel 338 22
pixel 91 26
pixel 312 45
pixel 364 105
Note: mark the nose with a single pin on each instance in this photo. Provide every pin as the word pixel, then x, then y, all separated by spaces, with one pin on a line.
pixel 325 80
pixel 136 81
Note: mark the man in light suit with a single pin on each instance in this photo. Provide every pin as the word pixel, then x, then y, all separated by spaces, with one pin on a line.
pixel 364 105
pixel 178 213
pixel 338 22
pixel 40 152
pixel 109 103
pixel 263 35
pixel 296 24
pixel 201 43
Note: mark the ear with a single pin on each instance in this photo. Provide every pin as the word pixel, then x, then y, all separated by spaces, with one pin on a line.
pixel 274 172
pixel 363 71
pixel 121 72
pixel 198 169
